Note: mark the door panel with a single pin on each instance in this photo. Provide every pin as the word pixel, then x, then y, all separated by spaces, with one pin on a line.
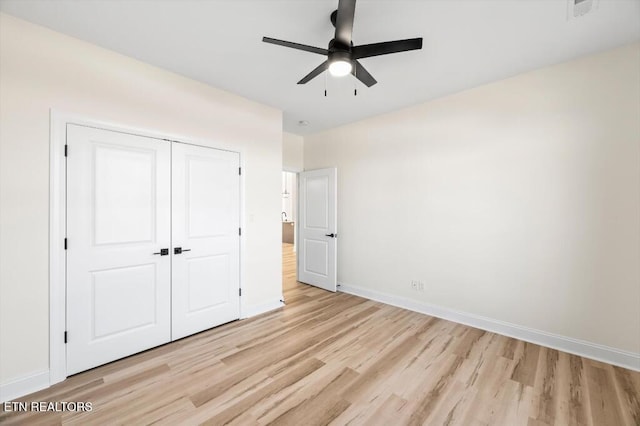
pixel 206 220
pixel 210 184
pixel 202 294
pixel 118 215
pixel 316 202
pixel 124 194
pixel 108 287
pixel 318 228
pixel 317 257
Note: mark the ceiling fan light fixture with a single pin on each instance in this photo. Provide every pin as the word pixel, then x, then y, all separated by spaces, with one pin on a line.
pixel 340 67
pixel 340 63
pixel 343 56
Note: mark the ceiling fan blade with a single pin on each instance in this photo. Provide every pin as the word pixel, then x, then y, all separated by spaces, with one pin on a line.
pixel 313 74
pixel 362 74
pixel 385 48
pixel 297 46
pixel 344 21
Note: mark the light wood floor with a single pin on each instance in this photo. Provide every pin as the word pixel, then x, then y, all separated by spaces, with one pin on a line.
pixel 337 358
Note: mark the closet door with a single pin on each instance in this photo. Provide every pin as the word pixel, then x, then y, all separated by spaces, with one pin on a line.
pixel 206 241
pixel 118 220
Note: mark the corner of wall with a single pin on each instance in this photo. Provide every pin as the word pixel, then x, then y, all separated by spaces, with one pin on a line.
pixel 292 152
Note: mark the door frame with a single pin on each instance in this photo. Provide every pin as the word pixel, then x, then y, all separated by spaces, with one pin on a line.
pixel 296 172
pixel 296 246
pixel 58 121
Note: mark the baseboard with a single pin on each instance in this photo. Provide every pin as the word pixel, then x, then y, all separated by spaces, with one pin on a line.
pixel 24 386
pixel 261 308
pixel 582 348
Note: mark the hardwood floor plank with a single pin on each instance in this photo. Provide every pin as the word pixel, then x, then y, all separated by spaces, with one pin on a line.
pixel 222 386
pixel 379 371
pixel 468 340
pixel 628 395
pixel 427 404
pixel 120 386
pixel 573 407
pixel 325 320
pixel 388 412
pixel 292 376
pixel 603 398
pixel 322 407
pixel 546 384
pixel 526 364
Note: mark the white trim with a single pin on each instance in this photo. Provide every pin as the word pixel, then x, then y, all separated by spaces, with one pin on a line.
pixel 24 386
pixel 583 348
pixel 243 227
pixel 63 117
pixel 261 308
pixel 57 220
pixel 57 255
pixel 292 169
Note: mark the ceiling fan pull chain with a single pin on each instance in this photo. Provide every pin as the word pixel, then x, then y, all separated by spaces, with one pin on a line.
pixel 325 84
pixel 355 81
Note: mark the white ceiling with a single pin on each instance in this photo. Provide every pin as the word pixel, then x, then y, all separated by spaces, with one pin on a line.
pixel 466 43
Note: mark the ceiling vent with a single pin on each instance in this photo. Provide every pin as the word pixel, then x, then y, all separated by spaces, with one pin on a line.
pixel 580 7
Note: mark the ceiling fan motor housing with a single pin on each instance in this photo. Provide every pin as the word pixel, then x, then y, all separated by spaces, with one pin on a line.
pixel 339 55
pixel 339 51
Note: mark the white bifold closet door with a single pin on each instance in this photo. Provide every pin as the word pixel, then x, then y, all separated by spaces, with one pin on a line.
pixel 150 259
pixel 206 242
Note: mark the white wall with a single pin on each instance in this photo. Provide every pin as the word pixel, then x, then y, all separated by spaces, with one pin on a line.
pixel 292 152
pixel 41 69
pixel 518 201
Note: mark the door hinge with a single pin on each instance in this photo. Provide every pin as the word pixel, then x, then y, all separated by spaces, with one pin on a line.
pixel 66 150
pixel 239 292
pixel 65 243
pixel 65 337
pixel 240 170
pixel 239 231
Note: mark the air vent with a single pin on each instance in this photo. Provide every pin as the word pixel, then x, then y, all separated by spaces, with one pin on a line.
pixel 580 8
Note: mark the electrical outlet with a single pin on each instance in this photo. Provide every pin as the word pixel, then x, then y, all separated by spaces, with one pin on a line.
pixel 417 285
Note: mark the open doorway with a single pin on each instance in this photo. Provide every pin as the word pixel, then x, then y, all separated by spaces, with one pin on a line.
pixel 289 230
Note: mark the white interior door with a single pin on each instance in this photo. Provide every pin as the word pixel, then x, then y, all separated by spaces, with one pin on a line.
pixel 118 220
pixel 206 241
pixel 317 251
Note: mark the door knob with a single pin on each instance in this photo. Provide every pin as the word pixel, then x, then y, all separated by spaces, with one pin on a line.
pixel 331 235
pixel 163 252
pixel 178 250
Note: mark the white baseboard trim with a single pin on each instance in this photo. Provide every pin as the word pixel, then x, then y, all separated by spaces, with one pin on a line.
pixel 24 386
pixel 583 348
pixel 253 310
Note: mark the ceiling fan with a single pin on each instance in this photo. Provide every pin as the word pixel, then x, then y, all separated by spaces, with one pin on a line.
pixel 342 54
